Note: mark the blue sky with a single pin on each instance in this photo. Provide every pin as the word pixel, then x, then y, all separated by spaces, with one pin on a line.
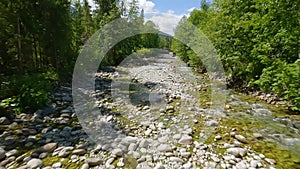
pixel 178 6
pixel 165 13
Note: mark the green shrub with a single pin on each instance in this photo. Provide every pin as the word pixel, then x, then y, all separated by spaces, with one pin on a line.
pixel 284 80
pixel 21 93
pixel 34 93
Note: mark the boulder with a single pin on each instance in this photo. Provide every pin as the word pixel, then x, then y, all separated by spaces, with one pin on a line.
pixel 34 163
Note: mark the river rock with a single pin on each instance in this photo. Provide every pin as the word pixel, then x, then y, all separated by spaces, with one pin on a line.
pixel 212 123
pixel 57 165
pixel 270 161
pixel 164 148
pixel 148 132
pixel 65 115
pixel 160 125
pixel 254 163
pixel 210 164
pixel 109 161
pixel 185 139
pixel 66 111
pixel 132 147
pixel 144 143
pixel 50 147
pixel 9 140
pixel 238 152
pixel 177 136
pixel 117 152
pixel 187 165
pixel 227 106
pixel 159 166
pixel 257 135
pixel 176 159
pixel 136 154
pixel 11 153
pixel 63 153
pixel 120 163
pixel 218 137
pixel 79 152
pixel 185 154
pixel 94 161
pixel 34 163
pixel 2 153
pixel 4 121
pixel 43 155
pixel 296 124
pixel 127 140
pixel 7 161
pixel 67 99
pixel 241 138
pixel 146 107
pixel 170 109
pixel 241 165
pixel 163 139
pixel 21 158
pixel 85 166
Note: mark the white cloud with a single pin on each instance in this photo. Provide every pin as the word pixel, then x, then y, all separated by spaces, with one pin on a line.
pixel 191 9
pixel 166 22
pixel 148 6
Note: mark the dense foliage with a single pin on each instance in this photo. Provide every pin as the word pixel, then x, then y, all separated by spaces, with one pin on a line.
pixel 26 92
pixel 42 36
pixel 257 40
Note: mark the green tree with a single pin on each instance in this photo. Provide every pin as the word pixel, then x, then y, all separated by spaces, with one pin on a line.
pixel 253 38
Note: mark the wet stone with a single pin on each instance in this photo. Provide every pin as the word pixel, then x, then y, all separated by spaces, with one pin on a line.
pixel 4 121
pixel 177 136
pixel 185 140
pixel 176 159
pixel 241 165
pixel 9 140
pixel 85 166
pixel 7 161
pixel 241 138
pixel 50 147
pixel 79 152
pixel 43 155
pixel 2 153
pixel 57 165
pixel 34 163
pixel 257 135
pixel 212 123
pixel 63 153
pixel 117 152
pixel 94 161
pixel 164 148
pixel 236 151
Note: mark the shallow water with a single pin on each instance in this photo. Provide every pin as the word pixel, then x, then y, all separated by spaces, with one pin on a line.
pixel 246 113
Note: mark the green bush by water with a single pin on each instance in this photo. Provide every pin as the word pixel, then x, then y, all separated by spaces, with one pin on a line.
pixel 20 93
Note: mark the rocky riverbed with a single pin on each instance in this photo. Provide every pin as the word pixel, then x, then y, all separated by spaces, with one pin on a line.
pixel 151 113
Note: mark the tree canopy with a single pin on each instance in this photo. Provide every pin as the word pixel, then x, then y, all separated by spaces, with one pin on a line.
pixel 41 39
pixel 257 40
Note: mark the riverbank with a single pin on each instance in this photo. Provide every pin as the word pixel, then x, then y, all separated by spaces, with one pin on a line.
pixel 151 114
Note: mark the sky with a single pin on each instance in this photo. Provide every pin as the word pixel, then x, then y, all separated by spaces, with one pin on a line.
pixel 166 13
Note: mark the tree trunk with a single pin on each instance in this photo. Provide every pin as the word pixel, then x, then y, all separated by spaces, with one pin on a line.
pixel 20 54
pixel 35 54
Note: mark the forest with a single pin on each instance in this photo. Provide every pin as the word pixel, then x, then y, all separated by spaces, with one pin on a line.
pixel 257 40
pixel 41 40
pixel 153 100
